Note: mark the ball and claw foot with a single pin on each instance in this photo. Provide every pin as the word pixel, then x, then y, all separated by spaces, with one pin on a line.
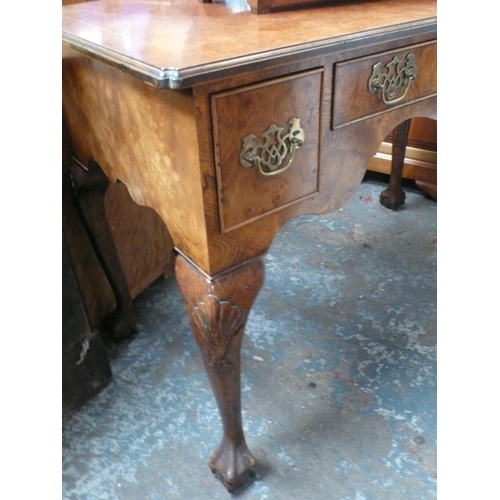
pixel 392 199
pixel 233 464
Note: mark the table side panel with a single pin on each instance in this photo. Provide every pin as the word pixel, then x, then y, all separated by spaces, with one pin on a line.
pixel 143 136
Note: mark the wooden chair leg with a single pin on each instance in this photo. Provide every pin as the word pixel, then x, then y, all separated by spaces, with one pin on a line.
pixel 394 196
pixel 218 310
pixel 90 185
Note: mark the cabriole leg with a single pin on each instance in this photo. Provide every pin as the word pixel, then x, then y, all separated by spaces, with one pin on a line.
pixel 218 310
pixel 394 196
pixel 90 185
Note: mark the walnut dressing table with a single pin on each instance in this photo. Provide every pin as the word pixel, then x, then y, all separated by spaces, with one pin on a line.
pixel 229 124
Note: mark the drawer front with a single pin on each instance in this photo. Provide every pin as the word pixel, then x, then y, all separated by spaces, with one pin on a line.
pixel 372 85
pixel 266 142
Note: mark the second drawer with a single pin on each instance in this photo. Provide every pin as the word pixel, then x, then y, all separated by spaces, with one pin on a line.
pixel 375 84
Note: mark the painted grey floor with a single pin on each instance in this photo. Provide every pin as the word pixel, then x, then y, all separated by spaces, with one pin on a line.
pixel 339 374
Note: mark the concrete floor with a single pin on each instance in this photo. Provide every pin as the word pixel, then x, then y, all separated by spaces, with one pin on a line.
pixel 339 374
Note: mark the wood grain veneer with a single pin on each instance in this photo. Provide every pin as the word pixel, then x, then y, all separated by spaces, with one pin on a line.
pixel 244 193
pixel 202 45
pixel 161 95
pixel 352 101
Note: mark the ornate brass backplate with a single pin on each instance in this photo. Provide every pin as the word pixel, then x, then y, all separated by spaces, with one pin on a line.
pixel 393 84
pixel 269 156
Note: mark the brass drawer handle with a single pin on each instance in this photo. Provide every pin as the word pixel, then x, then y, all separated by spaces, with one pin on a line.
pixel 269 156
pixel 395 82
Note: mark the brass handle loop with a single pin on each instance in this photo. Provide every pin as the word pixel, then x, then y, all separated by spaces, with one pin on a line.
pixel 394 83
pixel 268 157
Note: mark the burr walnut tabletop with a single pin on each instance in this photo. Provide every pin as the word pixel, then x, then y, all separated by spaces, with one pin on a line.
pixel 229 124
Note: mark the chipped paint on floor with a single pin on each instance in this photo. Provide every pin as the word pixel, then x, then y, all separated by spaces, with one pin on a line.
pixel 338 384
